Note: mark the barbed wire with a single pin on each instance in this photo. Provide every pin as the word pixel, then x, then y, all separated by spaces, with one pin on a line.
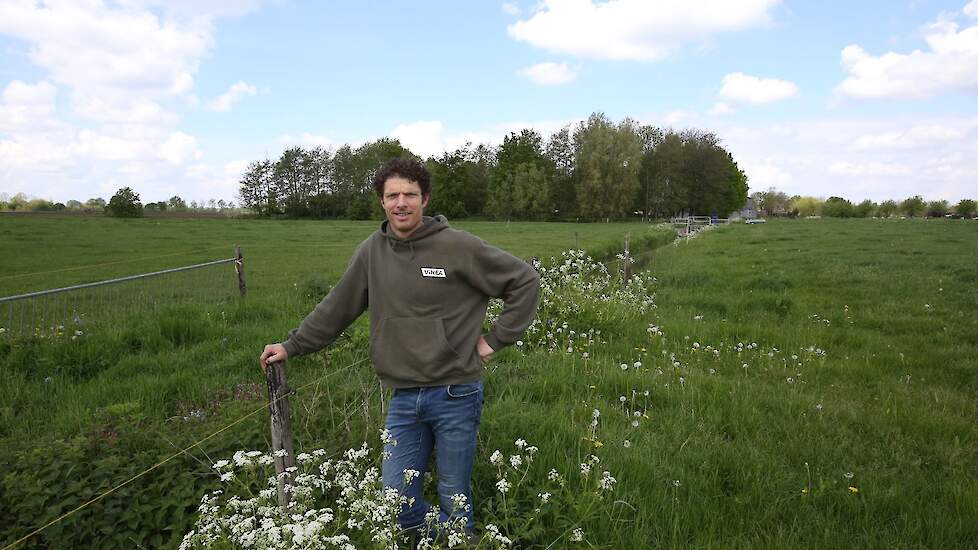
pixel 178 453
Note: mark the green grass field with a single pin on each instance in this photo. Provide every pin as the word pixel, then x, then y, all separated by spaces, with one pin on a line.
pixel 811 383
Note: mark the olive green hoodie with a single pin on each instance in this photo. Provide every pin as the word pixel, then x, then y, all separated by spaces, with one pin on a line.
pixel 427 297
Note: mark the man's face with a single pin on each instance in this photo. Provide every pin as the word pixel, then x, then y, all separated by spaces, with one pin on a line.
pixel 404 205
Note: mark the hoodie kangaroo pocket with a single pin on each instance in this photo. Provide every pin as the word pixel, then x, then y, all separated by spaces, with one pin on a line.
pixel 412 348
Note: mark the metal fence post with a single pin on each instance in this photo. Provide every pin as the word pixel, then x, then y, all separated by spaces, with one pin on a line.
pixel 278 407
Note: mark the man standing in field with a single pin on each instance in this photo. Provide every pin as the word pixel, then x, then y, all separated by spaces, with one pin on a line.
pixel 427 286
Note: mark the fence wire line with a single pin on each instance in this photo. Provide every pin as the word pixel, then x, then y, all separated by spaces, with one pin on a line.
pixel 178 453
pixel 69 309
pixel 77 268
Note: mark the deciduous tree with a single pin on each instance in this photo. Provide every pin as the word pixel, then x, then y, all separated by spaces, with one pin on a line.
pixel 965 208
pixel 125 204
pixel 607 159
pixel 913 207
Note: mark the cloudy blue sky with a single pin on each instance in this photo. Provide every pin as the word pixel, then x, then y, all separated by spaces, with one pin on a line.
pixel 867 99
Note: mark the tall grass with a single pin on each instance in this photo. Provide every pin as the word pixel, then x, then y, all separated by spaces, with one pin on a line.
pixel 810 383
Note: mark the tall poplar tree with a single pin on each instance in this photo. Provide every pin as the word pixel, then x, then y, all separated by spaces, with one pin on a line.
pixel 607 158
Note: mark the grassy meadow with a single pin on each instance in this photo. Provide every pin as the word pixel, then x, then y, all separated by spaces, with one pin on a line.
pixel 802 383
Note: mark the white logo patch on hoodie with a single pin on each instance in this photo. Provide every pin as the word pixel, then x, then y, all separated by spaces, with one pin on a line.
pixel 433 272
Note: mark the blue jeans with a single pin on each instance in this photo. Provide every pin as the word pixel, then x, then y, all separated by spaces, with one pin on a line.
pixel 440 418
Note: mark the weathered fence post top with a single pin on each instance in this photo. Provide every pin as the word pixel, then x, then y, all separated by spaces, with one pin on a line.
pixel 239 268
pixel 281 421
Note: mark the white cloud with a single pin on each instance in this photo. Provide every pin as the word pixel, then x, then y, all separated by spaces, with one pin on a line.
pixel 27 107
pixel 899 157
pixel 115 77
pixel 425 137
pixel 197 8
pixel 950 64
pixel 766 173
pixel 37 154
pixel 634 29
pixel 99 146
pixel 742 88
pixel 135 111
pixel 720 108
pixel 971 9
pixel 914 137
pixel 549 73
pixel 210 182
pixel 868 169
pixel 677 117
pixel 179 148
pixel 510 8
pixel 98 51
pixel 235 92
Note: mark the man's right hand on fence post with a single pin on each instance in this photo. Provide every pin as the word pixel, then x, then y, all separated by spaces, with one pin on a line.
pixel 274 353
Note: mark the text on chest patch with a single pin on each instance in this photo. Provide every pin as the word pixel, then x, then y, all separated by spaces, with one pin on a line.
pixel 433 272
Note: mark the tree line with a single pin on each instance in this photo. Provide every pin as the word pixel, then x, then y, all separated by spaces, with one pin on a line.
pixel 776 203
pixel 124 203
pixel 596 169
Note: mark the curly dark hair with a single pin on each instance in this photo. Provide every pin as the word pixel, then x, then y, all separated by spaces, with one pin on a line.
pixel 407 168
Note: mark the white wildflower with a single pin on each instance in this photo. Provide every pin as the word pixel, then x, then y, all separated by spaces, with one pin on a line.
pixel 460 502
pixel 410 475
pixel 606 482
pixel 496 458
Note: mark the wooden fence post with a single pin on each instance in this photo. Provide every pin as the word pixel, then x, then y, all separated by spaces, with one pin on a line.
pixel 278 406
pixel 627 272
pixel 239 268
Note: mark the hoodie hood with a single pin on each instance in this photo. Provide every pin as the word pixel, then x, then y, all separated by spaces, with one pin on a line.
pixel 429 226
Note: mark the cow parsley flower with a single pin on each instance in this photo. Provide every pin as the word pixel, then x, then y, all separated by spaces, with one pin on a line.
pixel 496 458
